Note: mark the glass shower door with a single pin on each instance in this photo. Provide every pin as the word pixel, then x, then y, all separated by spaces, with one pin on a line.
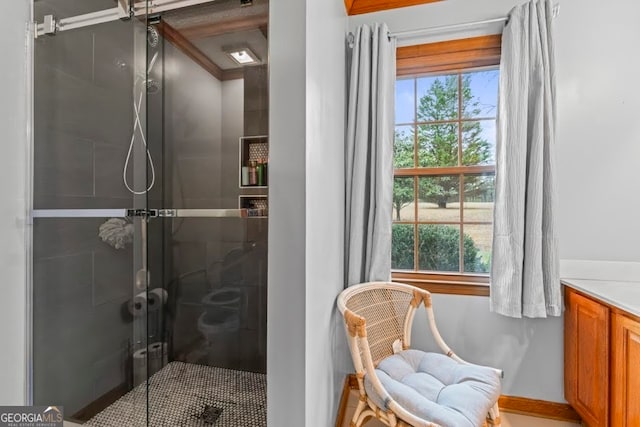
pixel 211 253
pixel 149 249
pixel 93 178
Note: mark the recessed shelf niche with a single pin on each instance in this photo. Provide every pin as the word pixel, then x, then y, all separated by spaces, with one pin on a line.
pixel 253 149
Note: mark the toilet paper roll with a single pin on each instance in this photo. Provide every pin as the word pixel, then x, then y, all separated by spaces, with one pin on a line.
pixel 139 366
pixel 156 298
pixel 157 356
pixel 138 305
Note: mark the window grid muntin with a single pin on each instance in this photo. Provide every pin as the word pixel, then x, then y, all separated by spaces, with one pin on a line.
pixel 488 170
pixel 448 121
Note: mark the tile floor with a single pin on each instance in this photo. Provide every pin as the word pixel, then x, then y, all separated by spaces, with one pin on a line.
pixel 508 420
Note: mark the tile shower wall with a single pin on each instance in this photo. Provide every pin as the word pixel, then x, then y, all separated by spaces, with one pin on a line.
pixel 83 122
pixel 256 100
pixel 256 122
pixel 204 119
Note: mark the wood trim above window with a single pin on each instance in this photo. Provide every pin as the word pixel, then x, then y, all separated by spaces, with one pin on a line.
pixel 357 7
pixel 439 283
pixel 449 56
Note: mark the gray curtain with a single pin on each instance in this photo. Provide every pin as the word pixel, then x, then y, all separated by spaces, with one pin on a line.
pixel 525 263
pixel 369 156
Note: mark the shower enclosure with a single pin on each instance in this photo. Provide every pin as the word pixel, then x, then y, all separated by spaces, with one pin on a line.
pixel 150 207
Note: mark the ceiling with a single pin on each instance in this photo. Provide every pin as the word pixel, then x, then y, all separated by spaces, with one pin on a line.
pixel 203 32
pixel 216 46
pixel 221 26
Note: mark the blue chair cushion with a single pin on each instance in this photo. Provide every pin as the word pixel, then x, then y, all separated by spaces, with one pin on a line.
pixel 436 388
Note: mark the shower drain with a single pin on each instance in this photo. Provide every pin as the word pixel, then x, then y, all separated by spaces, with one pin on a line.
pixel 210 414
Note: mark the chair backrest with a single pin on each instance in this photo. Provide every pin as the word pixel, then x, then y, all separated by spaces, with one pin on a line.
pixel 387 309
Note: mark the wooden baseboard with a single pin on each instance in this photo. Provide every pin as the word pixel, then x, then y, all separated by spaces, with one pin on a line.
pixel 342 409
pixel 517 405
pixel 539 408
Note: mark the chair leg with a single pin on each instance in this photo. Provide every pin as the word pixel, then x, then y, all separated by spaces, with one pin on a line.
pixel 354 420
pixel 364 416
pixel 493 418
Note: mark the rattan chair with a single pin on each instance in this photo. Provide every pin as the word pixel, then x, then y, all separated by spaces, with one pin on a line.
pixel 378 319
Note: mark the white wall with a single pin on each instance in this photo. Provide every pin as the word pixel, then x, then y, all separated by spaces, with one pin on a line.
pixel 306 211
pixel 287 213
pixel 13 173
pixel 325 87
pixel 598 129
pixel 598 155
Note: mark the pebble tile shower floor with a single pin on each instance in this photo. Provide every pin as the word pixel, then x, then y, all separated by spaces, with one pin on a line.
pixel 183 394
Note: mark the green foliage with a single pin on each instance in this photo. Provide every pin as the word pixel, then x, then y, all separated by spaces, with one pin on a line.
pixel 438 249
pixel 403 158
pixel 402 247
pixel 403 149
pixel 402 194
pixel 439 189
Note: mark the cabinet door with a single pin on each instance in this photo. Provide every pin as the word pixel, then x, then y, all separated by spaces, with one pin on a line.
pixel 586 360
pixel 625 370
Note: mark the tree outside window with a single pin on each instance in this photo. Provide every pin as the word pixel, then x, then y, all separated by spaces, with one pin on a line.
pixel 444 156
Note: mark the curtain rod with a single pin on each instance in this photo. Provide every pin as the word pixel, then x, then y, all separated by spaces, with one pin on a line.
pixel 443 28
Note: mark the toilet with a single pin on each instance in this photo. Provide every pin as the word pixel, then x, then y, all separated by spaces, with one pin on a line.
pixel 222 300
pixel 220 320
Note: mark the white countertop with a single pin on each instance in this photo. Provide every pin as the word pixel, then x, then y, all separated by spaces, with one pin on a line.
pixel 623 295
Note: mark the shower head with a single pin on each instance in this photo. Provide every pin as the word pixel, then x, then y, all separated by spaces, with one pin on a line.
pixel 153 86
pixel 152 36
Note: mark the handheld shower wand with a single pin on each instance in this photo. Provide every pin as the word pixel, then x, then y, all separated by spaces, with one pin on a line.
pixel 137 125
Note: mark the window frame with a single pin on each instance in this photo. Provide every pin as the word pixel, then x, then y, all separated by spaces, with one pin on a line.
pixel 448 57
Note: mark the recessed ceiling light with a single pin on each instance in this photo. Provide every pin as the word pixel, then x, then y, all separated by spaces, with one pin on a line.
pixel 243 56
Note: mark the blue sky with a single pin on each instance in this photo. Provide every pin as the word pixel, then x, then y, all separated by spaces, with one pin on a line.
pixel 484 86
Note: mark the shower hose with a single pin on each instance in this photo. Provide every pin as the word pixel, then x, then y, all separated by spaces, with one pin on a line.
pixel 137 126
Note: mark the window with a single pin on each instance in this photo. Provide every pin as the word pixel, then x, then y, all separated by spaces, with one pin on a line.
pixel 444 160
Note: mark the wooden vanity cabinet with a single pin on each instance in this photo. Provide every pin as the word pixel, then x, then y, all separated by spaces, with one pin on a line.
pixel 601 362
pixel 586 358
pixel 625 371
